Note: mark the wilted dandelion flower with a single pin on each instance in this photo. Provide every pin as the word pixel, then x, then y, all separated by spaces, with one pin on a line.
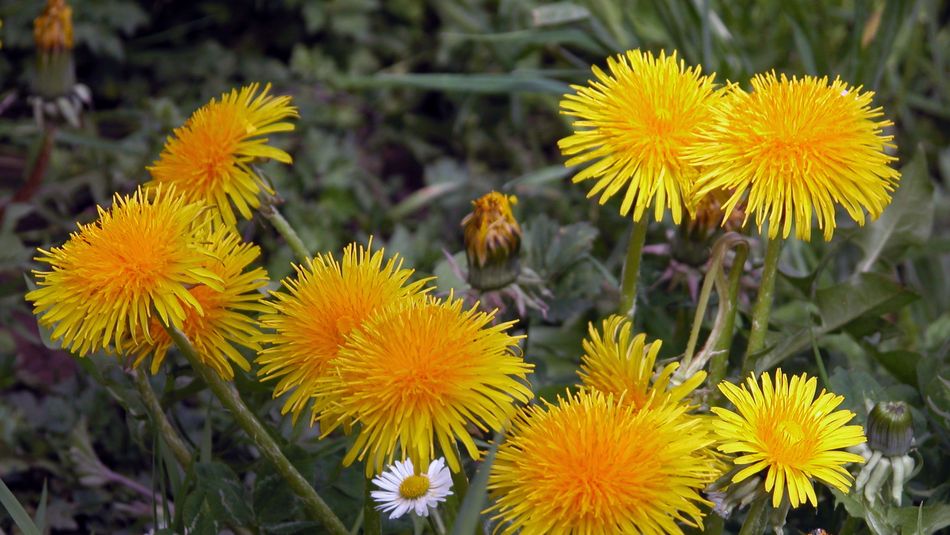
pixel 616 362
pixel 492 241
pixel 225 317
pixel 415 376
pixel 109 278
pixel 403 490
pixel 783 428
pixel 634 123
pixel 53 29
pixel 209 157
pixel 797 147
pixel 593 464
pixel 327 299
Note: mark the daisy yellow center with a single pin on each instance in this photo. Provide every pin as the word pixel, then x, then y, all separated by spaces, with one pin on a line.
pixel 414 487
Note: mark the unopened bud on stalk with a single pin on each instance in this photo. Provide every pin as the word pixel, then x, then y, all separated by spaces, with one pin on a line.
pixel 53 36
pixel 890 428
pixel 492 242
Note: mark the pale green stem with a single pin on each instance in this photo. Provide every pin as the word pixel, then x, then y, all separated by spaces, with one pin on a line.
pixel 229 397
pixel 174 441
pixel 436 521
pixel 372 522
pixel 719 363
pixel 283 227
pixel 755 521
pixel 631 269
pixel 700 312
pixel 763 305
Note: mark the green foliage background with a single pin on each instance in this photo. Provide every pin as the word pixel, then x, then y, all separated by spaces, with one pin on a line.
pixel 409 110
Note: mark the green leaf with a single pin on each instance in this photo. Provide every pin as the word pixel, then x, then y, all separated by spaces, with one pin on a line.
pixel 923 520
pixel 867 296
pixel 469 514
pixel 558 13
pixel 223 493
pixel 907 222
pixel 16 511
pixel 901 363
pixel 465 83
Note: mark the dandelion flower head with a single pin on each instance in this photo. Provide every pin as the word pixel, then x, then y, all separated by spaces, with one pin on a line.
pixel 795 148
pixel 414 377
pixel 782 428
pixel 593 464
pixel 616 362
pixel 402 490
pixel 111 275
pixel 633 125
pixel 325 300
pixel 209 157
pixel 491 229
pixel 227 314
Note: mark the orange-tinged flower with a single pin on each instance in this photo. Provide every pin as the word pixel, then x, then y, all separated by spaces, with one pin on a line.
pixel 415 376
pixel 225 317
pixel 491 230
pixel 593 464
pixel 782 428
pixel 635 124
pixel 109 277
pixel 209 158
pixel 618 363
pixel 327 300
pixel 53 29
pixel 794 149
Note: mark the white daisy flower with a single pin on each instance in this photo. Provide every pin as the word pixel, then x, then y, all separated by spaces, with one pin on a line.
pixel 403 490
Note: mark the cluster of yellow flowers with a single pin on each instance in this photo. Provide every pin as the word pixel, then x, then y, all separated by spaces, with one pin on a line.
pixel 360 346
pixel 792 148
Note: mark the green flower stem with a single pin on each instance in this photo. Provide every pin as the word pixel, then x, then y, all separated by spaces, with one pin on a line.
pixel 283 227
pixel 372 522
pixel 755 521
pixel 316 508
pixel 174 441
pixel 631 269
pixel 763 305
pixel 719 363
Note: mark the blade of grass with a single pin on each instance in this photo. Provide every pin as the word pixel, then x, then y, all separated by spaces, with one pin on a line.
pixel 17 512
pixel 469 515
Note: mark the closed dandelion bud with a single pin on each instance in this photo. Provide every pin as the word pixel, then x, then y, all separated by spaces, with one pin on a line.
pixel 492 242
pixel 53 36
pixel 890 429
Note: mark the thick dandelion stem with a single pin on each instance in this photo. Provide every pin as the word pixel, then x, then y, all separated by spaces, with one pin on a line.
pixel 719 363
pixel 316 508
pixel 755 520
pixel 763 305
pixel 174 441
pixel 631 269
pixel 372 522
pixel 284 228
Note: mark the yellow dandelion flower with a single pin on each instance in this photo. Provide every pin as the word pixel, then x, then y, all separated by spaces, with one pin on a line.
pixel 415 376
pixel 53 29
pixel 797 147
pixel 784 429
pixel 593 464
pixel 105 281
pixel 209 157
pixel 224 319
pixel 326 300
pixel 616 362
pixel 635 123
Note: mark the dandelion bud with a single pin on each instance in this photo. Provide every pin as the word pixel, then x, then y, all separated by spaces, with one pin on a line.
pixel 53 36
pixel 492 242
pixel 890 429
